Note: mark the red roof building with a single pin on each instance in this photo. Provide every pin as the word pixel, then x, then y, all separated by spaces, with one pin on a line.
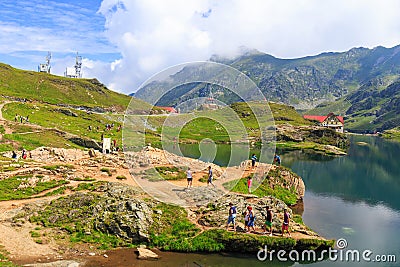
pixel 169 109
pixel 330 121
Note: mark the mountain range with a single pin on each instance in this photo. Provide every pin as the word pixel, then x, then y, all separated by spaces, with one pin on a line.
pixel 361 84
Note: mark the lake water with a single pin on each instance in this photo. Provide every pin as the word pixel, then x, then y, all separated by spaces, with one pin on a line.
pixel 355 197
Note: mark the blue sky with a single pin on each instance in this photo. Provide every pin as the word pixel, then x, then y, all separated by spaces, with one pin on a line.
pixel 28 29
pixel 125 42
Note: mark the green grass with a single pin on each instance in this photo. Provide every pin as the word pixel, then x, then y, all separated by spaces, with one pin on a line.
pixel 85 179
pixel 121 177
pixel 58 191
pixel 5 147
pixel 58 166
pixel 34 234
pixel 44 138
pixel 49 116
pixel 56 89
pixel 101 240
pixel 172 228
pixel 298 219
pixel 171 173
pixel 88 186
pixel 9 187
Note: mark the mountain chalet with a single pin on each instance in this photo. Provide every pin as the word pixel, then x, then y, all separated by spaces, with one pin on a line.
pixel 331 121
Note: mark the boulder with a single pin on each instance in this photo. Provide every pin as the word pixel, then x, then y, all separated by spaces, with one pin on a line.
pixel 146 254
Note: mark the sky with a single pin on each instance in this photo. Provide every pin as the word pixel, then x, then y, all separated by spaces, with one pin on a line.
pixel 125 42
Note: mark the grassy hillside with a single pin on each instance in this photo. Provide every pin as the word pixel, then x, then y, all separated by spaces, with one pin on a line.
pixel 50 125
pixel 53 89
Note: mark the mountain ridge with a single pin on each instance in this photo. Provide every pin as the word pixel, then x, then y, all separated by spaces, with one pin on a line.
pixel 304 83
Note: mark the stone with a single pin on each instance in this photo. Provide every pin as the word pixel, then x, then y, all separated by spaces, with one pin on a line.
pixel 146 254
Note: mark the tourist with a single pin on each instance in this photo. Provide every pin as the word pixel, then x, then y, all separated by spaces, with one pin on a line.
pixel 14 155
pixel 249 182
pixel 232 216
pixel 253 161
pixel 210 176
pixel 16 118
pixel 285 224
pixel 268 221
pixel 24 153
pixel 277 159
pixel 27 118
pixel 252 218
pixel 189 178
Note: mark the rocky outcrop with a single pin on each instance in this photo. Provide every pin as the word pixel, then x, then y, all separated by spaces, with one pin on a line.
pixel 88 143
pixel 316 134
pixel 118 210
pixel 283 177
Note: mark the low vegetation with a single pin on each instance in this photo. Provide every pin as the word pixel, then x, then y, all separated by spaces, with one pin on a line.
pixel 18 187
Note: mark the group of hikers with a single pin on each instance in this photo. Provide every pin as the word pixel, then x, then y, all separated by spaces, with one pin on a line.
pixel 189 176
pixel 21 119
pixel 250 217
pixel 24 154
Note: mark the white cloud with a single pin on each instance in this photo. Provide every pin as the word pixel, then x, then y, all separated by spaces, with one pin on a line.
pixel 152 35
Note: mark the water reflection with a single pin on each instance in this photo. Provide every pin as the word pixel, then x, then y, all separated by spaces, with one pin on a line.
pixel 369 173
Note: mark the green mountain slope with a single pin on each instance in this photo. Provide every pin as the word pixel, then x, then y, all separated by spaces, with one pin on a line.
pixel 53 89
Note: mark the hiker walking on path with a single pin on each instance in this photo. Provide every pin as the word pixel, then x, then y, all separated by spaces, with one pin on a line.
pixel 285 224
pixel 268 221
pixel 232 216
pixel 253 161
pixel 189 178
pixel 252 218
pixel 210 176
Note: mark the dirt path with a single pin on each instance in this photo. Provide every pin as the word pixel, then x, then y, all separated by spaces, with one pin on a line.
pixel 7 130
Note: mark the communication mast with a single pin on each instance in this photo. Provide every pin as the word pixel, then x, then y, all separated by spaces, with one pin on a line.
pixel 75 71
pixel 46 66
